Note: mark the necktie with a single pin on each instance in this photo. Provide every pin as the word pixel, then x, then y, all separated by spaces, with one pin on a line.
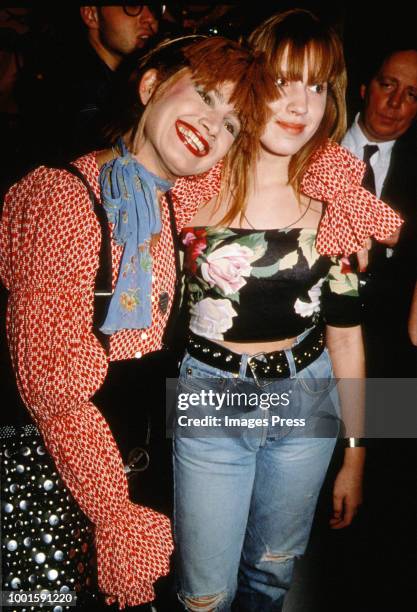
pixel 365 278
pixel 369 178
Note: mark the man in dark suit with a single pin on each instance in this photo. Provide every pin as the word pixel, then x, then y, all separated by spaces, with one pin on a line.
pixel 383 135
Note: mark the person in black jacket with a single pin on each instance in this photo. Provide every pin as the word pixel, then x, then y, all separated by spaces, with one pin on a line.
pixel 385 131
pixel 112 33
pixel 66 82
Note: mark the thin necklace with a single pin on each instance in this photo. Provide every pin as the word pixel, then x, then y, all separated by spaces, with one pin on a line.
pixel 287 226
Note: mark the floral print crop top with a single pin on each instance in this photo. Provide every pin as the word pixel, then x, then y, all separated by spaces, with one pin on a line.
pixel 247 285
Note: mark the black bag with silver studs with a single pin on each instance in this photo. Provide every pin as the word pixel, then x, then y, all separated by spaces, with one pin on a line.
pixel 47 542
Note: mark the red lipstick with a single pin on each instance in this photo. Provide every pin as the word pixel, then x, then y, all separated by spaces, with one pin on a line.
pixel 192 139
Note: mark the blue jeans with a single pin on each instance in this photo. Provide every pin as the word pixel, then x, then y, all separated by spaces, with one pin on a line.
pixel 244 503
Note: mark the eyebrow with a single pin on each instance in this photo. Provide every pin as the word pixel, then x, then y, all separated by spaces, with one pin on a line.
pixel 387 77
pixel 219 96
pixel 221 100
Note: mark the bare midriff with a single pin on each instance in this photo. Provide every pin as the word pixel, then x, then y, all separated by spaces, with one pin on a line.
pixel 251 348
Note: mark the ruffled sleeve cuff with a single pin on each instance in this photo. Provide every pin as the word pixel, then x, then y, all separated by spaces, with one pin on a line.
pixel 133 551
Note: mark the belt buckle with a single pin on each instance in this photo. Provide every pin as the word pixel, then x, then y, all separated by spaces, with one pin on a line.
pixel 251 366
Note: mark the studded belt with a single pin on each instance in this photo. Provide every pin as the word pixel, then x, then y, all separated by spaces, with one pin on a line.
pixel 261 365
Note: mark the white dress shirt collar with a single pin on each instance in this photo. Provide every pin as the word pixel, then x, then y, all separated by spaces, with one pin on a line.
pixel 355 140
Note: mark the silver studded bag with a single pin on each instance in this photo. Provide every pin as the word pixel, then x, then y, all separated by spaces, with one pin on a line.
pixel 47 542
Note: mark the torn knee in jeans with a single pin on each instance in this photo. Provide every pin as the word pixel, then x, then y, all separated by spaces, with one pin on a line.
pixel 278 557
pixel 204 603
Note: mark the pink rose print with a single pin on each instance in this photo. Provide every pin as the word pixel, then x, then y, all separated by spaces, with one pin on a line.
pixel 226 267
pixel 211 318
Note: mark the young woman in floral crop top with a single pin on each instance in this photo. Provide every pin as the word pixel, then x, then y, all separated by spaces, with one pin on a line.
pixel 248 285
pixel 271 318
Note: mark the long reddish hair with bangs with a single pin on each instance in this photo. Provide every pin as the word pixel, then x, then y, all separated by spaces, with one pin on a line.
pixel 303 37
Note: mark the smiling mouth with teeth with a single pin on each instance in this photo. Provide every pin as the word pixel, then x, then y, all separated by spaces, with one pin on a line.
pixel 192 139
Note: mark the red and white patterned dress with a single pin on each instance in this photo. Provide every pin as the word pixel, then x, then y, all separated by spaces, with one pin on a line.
pixel 49 241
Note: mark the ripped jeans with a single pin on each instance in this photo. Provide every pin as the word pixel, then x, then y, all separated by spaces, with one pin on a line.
pixel 244 504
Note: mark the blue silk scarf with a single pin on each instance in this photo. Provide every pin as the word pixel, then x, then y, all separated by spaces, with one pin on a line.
pixel 129 195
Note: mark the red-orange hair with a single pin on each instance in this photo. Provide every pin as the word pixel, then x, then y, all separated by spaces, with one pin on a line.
pixel 301 37
pixel 212 62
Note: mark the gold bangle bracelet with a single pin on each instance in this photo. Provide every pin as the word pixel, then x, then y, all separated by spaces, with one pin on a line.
pixel 354 442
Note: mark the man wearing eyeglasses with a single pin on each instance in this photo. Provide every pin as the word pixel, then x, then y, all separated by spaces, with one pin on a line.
pixel 116 31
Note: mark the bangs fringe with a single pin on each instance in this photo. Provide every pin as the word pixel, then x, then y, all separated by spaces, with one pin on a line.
pixel 324 62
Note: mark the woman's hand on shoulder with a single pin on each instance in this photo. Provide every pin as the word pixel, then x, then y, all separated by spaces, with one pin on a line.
pixel 363 254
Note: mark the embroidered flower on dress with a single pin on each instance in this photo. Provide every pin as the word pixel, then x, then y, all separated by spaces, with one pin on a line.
pixel 146 261
pixel 211 318
pixel 130 266
pixel 129 300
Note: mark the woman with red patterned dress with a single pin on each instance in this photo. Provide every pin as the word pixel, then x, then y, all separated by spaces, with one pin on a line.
pixel 190 102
